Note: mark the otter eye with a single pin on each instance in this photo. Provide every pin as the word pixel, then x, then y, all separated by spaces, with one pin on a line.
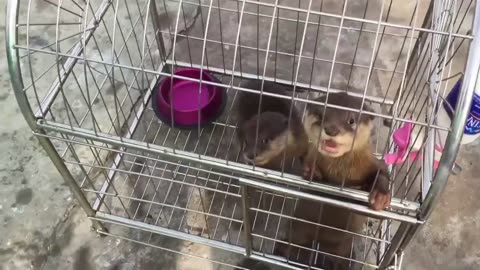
pixel 265 141
pixel 351 121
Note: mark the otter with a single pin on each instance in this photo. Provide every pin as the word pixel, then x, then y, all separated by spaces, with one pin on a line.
pixel 339 154
pixel 276 136
pixel 344 154
pixel 278 142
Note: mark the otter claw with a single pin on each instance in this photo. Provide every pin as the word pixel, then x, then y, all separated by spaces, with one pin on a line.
pixel 379 200
pixel 309 173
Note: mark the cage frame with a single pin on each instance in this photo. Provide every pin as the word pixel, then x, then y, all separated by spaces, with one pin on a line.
pixel 405 233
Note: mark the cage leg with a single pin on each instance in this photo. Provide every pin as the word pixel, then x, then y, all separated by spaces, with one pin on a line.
pixel 70 181
pixel 452 143
pixel 246 220
pixel 404 230
pixel 409 235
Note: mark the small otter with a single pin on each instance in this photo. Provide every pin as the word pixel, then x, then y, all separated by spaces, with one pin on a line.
pixel 344 152
pixel 275 136
pixel 343 156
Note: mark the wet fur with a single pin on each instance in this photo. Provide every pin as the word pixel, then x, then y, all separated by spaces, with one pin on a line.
pixel 355 164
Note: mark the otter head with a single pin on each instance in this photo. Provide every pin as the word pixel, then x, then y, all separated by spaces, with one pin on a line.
pixel 341 131
pixel 271 141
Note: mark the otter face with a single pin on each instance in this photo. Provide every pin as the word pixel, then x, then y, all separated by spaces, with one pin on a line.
pixel 271 141
pixel 341 131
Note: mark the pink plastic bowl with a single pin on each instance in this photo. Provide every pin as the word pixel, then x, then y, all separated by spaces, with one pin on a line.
pixel 187 101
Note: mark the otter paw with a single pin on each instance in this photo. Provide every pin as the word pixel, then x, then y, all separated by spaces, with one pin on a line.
pixel 379 200
pixel 307 171
pixel 310 173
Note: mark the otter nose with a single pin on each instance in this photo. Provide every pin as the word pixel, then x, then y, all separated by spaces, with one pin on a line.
pixel 332 130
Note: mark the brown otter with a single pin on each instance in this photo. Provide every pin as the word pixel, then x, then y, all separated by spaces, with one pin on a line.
pixel 275 135
pixel 344 155
pixel 340 154
pixel 277 139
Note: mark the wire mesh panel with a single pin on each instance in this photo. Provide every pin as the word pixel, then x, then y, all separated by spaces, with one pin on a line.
pixel 306 232
pixel 86 74
pixel 172 195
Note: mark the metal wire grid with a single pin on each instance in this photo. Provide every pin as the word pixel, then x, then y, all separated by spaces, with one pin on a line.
pixel 159 191
pixel 120 65
pixel 103 75
pixel 219 141
pixel 368 246
pixel 197 202
pixel 132 46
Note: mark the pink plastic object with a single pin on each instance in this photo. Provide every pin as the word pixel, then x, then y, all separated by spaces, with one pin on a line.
pixel 401 137
pixel 189 102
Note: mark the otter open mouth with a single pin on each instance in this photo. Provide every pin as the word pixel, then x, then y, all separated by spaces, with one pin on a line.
pixel 329 146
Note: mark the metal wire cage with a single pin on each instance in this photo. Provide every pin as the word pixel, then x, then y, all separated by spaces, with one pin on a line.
pixel 83 73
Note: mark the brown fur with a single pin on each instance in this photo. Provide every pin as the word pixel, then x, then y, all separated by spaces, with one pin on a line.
pixel 331 241
pixel 275 136
pixel 277 143
pixel 353 165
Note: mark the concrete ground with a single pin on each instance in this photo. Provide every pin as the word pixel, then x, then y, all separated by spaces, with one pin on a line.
pixel 43 227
